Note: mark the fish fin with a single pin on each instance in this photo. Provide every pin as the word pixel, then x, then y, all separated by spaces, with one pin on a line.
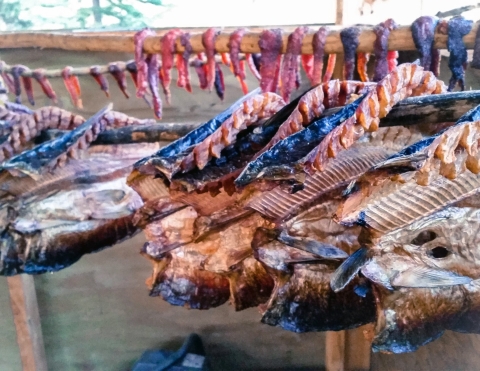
pixel 351 188
pixel 406 203
pixel 413 161
pixel 157 250
pixel 279 204
pixel 376 274
pixel 310 245
pixel 423 276
pixel 349 269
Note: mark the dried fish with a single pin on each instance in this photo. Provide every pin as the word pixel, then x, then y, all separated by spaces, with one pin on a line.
pixel 277 159
pixel 52 153
pixel 208 41
pixel 423 33
pixel 100 79
pixel 332 58
pixel 219 82
pixel 318 44
pixel 141 61
pixel 73 86
pixel 182 63
pixel 119 76
pixel 457 28
pixel 237 65
pixel 168 50
pixel 270 44
pixel 167 160
pixel 290 67
pixel 383 59
pixel 349 37
pixel 362 60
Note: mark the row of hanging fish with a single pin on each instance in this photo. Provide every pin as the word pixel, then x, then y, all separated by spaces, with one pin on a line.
pixel 279 72
pixel 19 75
pixel 276 72
pixel 323 222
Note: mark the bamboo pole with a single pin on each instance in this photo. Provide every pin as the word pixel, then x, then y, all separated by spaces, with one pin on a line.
pixel 400 39
pixel 85 71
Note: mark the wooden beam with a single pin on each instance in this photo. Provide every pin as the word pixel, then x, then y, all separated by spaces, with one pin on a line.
pixel 399 39
pixel 23 300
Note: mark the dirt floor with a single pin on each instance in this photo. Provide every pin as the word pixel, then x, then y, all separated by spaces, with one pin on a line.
pixel 97 315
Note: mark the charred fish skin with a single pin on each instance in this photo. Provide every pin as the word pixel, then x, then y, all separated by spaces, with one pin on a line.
pixel 205 274
pixel 402 327
pixel 282 155
pixel 57 248
pixel 192 292
pixel 306 303
pixel 302 300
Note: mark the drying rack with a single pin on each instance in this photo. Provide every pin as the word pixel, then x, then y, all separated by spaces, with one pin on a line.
pixel 345 350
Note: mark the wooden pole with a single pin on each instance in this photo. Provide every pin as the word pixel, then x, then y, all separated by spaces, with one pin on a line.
pixel 399 39
pixel 85 71
pixel 358 350
pixel 348 350
pixel 335 351
pixel 23 300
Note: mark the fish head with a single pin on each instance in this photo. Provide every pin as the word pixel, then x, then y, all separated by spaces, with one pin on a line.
pixel 425 280
pixel 437 250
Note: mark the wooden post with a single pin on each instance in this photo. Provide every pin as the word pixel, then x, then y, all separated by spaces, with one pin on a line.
pixel 23 300
pixel 347 350
pixel 339 16
pixel 357 350
pixel 335 351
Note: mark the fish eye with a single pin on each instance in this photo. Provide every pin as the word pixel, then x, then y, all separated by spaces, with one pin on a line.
pixel 424 237
pixel 438 252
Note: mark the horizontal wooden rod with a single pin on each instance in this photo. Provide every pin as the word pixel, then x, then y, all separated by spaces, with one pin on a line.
pixel 400 39
pixel 84 71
